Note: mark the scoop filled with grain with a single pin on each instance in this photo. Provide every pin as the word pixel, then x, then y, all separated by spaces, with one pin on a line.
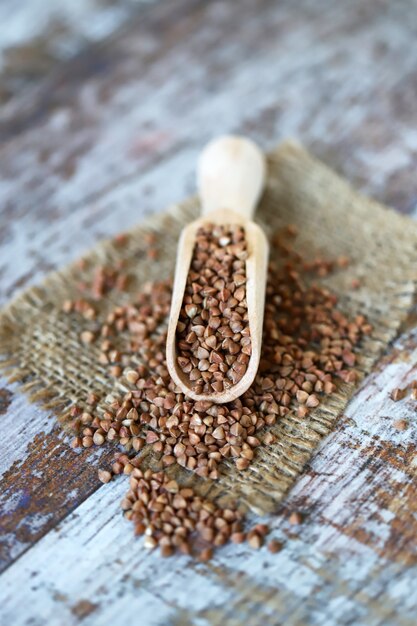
pixel 215 328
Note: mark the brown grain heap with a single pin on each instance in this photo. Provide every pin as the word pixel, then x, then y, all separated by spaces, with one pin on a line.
pixel 307 344
pixel 175 518
pixel 213 337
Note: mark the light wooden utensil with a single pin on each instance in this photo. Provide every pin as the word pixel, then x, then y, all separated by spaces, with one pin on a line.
pixel 230 177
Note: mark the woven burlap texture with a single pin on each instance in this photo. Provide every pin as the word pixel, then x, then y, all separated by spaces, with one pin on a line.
pixel 41 348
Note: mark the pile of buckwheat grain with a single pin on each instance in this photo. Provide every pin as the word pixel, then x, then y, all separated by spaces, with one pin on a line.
pixel 213 337
pixel 177 519
pixel 308 344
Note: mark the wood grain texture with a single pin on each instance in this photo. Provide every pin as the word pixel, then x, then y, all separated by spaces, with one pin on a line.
pixel 112 135
pixel 351 562
pixel 38 36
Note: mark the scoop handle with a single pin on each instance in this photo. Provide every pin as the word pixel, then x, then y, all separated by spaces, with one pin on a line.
pixel 231 175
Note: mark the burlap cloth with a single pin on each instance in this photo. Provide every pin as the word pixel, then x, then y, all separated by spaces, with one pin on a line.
pixel 40 346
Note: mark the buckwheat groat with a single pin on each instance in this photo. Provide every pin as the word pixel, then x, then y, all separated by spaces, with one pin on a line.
pixel 213 336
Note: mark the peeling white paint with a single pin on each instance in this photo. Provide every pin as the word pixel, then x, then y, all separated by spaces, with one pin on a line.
pixel 81 21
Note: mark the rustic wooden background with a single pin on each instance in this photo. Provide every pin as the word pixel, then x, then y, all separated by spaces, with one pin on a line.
pixel 105 106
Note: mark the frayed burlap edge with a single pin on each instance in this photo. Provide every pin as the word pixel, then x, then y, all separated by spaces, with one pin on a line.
pixel 40 347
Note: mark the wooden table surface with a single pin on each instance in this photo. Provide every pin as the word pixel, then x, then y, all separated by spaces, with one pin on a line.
pixel 105 108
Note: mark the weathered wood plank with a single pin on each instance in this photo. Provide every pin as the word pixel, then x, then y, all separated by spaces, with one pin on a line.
pixel 90 152
pixel 105 138
pixel 41 481
pixel 359 532
pixel 40 35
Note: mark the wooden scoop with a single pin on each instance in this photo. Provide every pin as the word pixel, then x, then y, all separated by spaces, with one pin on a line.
pixel 230 176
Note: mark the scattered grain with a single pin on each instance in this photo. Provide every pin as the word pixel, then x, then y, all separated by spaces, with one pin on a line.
pixel 206 554
pixel 104 476
pixel 296 518
pixel 300 356
pixel 87 336
pixel 172 517
pixel 275 546
pixel 255 540
pixel 398 394
pixel 308 345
